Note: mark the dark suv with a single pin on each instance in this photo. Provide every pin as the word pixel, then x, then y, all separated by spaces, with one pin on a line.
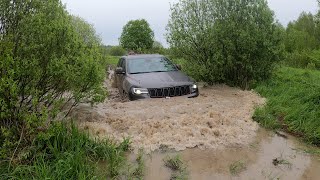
pixel 152 76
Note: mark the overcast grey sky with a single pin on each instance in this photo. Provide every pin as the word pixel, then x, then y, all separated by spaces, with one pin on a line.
pixel 109 16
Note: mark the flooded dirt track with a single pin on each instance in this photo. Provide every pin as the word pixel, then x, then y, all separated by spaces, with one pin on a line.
pixel 257 159
pixel 214 134
pixel 219 117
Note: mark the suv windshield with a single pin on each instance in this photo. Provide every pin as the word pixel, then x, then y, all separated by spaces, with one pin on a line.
pixel 149 65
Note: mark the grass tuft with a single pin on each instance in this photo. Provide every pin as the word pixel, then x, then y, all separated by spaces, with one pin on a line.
pixel 237 167
pixel 281 161
pixel 177 166
pixel 174 163
pixel 139 170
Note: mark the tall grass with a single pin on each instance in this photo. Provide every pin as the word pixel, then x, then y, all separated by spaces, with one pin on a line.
pixel 293 102
pixel 64 152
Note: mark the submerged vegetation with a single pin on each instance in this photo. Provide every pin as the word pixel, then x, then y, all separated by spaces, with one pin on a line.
pixel 179 169
pixel 237 167
pixel 138 172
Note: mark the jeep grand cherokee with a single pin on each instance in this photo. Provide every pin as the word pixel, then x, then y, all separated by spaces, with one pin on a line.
pixel 152 76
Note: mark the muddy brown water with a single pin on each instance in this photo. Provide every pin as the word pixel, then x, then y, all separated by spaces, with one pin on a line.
pixel 257 158
pixel 220 117
pixel 210 132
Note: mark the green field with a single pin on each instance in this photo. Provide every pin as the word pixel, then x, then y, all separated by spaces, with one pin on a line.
pixel 293 102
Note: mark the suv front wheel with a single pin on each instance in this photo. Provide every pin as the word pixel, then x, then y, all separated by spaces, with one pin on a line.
pixel 125 97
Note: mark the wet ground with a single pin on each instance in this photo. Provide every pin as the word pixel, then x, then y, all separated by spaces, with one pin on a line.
pixel 220 117
pixel 257 160
pixel 212 133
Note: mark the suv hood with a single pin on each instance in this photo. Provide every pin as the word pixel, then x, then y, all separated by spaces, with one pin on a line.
pixel 160 79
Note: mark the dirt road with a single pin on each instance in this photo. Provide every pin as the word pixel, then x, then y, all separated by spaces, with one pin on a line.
pixel 220 117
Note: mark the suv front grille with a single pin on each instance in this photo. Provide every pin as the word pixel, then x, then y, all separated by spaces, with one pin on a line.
pixel 169 92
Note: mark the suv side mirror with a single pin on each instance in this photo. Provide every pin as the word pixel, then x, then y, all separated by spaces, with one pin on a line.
pixel 119 70
pixel 178 66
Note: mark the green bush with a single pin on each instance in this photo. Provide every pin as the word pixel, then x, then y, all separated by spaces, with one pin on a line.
pixel 293 102
pixel 235 41
pixel 117 51
pixel 297 59
pixel 314 59
pixel 64 152
pixel 48 59
pixel 112 60
pixel 303 59
pixel 157 48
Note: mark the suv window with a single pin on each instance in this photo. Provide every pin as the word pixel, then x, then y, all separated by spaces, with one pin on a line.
pixel 119 62
pixel 122 63
pixel 149 65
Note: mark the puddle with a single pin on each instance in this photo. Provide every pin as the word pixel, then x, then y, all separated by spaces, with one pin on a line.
pixel 257 158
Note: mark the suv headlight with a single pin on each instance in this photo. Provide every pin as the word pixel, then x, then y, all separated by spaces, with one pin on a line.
pixel 139 91
pixel 194 88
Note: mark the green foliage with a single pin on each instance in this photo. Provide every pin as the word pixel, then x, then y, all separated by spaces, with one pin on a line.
pixel 314 57
pixel 293 102
pixel 112 60
pixel 236 42
pixel 137 36
pixel 304 59
pixel 117 51
pixel 64 152
pixel 302 42
pixel 157 48
pixel 302 34
pixel 48 59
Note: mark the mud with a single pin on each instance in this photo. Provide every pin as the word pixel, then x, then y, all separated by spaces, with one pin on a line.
pixel 257 158
pixel 220 117
pixel 210 133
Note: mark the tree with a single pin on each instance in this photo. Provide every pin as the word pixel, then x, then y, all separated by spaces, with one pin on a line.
pixel 86 31
pixel 137 35
pixel 302 34
pixel 49 60
pixel 302 42
pixel 229 41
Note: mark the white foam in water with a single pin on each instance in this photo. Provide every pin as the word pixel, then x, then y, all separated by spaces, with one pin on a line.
pixel 220 117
